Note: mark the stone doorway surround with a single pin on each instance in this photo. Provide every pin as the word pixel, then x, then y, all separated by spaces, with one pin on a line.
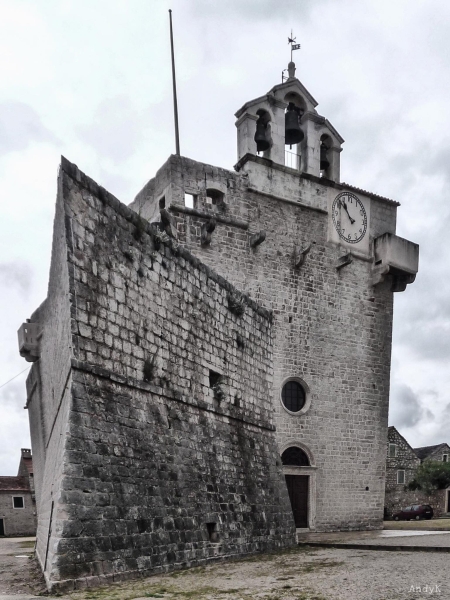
pixel 311 472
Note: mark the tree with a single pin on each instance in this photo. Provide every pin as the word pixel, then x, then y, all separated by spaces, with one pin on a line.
pixel 431 475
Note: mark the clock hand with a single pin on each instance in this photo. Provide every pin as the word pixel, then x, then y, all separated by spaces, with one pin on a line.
pixel 346 210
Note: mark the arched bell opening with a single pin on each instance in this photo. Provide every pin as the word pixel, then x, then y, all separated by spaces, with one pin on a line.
pixel 325 156
pixel 293 133
pixel 263 135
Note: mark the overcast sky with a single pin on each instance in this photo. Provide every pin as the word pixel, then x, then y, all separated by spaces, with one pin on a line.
pixel 90 79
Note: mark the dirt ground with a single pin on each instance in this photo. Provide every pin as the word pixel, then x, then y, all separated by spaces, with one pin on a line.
pixel 19 572
pixel 300 574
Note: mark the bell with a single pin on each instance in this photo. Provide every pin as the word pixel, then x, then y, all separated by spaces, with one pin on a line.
pixel 293 133
pixel 324 162
pixel 262 143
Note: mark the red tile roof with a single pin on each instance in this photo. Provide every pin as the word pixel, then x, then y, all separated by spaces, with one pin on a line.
pixel 14 484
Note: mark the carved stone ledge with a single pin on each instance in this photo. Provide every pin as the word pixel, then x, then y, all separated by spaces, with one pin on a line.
pixel 194 212
pixel 397 259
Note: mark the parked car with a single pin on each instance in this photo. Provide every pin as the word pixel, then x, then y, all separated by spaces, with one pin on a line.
pixel 416 511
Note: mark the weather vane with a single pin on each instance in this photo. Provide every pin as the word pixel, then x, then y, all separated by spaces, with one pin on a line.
pixel 294 46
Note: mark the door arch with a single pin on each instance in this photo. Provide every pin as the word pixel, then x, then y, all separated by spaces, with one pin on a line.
pixel 300 476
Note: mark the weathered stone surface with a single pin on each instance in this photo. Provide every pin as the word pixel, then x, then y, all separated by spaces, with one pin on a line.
pixel 136 452
pixel 332 328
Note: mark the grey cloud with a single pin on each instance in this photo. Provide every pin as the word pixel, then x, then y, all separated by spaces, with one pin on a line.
pixel 20 125
pixel 405 409
pixel 116 129
pixel 16 274
pixel 13 394
pixel 255 9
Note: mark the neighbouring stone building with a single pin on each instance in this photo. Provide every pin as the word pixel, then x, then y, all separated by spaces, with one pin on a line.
pixel 211 365
pixel 17 500
pixel 401 465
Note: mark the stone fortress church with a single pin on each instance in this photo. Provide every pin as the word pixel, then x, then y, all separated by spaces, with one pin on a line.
pixel 211 364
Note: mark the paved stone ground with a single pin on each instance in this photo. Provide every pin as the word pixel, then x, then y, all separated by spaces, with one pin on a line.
pixel 439 539
pixel 300 574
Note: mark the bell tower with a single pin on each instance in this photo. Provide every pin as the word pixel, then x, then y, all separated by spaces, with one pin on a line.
pixel 285 127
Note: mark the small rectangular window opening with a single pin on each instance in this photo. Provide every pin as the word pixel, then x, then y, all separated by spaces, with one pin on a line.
pixel 445 458
pixel 214 378
pixel 189 200
pixel 400 476
pixel 212 532
pixel 392 450
pixel 162 202
pixel 18 502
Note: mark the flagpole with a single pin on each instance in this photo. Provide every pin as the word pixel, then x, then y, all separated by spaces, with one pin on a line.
pixel 175 105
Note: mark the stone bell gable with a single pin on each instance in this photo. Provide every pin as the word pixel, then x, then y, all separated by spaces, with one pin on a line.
pixel 150 405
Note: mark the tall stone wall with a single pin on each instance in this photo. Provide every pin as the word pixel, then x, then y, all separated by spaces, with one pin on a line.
pixel 166 437
pixel 332 328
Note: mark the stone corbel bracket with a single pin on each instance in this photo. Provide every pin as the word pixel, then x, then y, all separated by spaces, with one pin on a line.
pixel 300 255
pixel 343 261
pixel 257 238
pixel 167 223
pixel 397 258
pixel 207 230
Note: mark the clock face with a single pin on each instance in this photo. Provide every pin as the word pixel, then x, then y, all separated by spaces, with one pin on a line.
pixel 349 217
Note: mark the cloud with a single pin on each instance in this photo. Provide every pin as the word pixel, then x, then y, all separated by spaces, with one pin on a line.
pixel 256 10
pixel 116 129
pixel 405 409
pixel 20 125
pixel 16 274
